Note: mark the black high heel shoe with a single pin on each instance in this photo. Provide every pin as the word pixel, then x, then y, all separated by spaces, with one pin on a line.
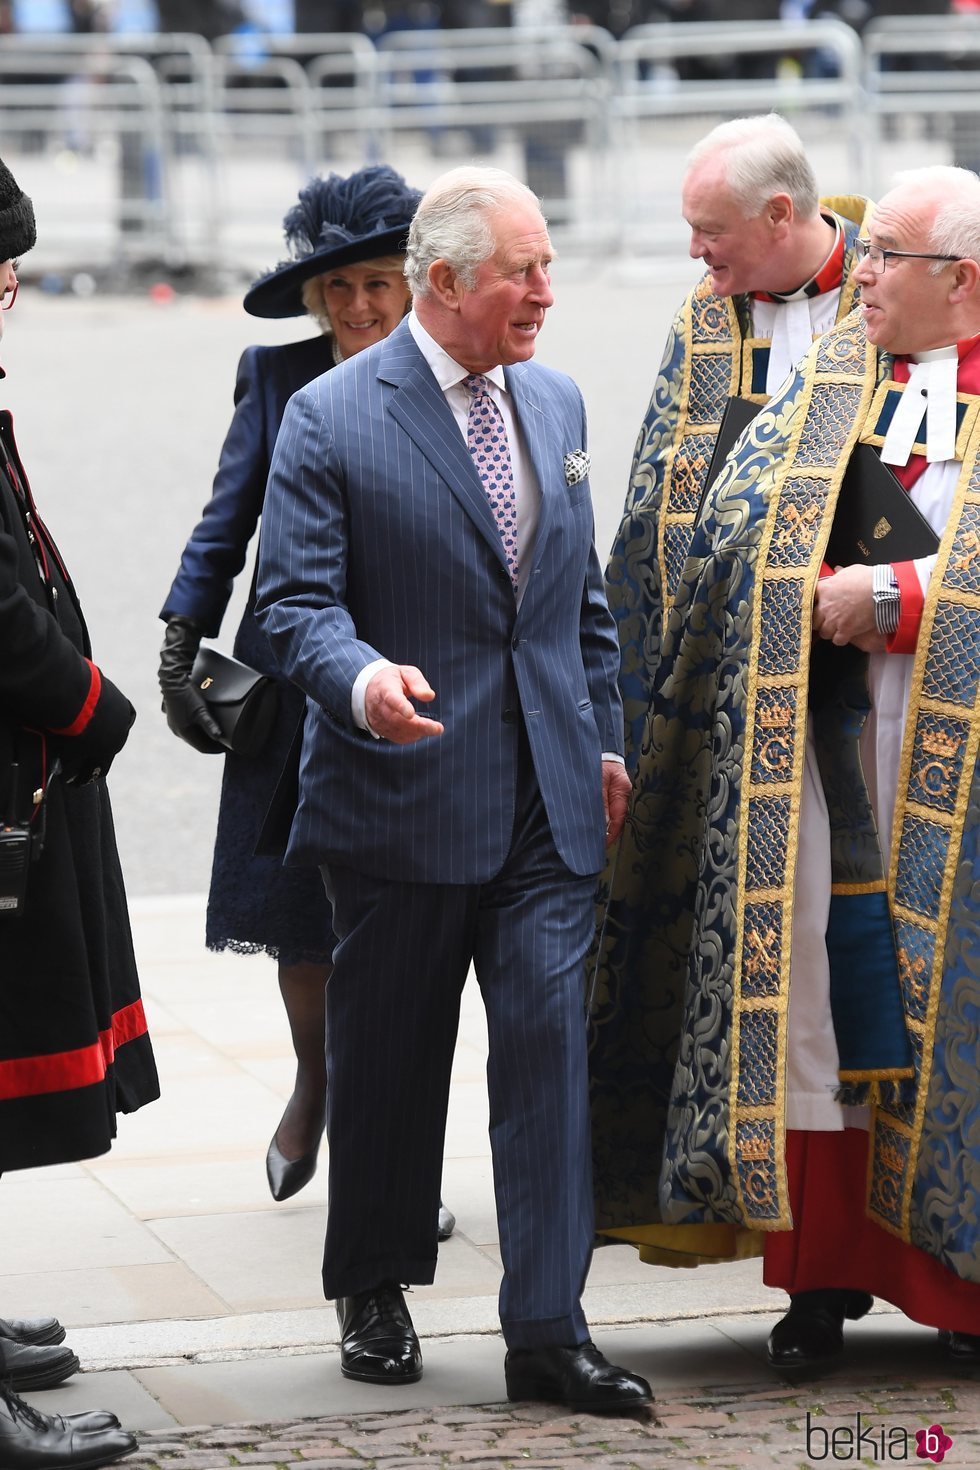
pixel 288 1176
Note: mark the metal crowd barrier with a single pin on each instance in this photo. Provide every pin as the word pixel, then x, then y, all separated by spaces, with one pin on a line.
pixel 923 101
pixel 669 92
pixel 161 148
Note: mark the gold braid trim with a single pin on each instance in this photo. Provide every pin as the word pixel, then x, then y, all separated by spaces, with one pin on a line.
pixel 839 380
pixel 937 732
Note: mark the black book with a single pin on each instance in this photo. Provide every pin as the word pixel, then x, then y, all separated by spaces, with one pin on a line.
pixel 876 519
pixel 739 413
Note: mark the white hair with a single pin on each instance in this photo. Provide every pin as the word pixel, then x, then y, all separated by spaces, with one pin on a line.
pixel 761 156
pixel 454 223
pixel 955 229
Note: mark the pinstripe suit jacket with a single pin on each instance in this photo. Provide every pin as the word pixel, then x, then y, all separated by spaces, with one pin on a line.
pixel 378 540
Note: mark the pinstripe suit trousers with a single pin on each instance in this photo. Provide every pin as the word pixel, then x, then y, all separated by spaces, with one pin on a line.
pixel 392 1015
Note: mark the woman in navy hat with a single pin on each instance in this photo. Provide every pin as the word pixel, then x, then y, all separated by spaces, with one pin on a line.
pixel 346 240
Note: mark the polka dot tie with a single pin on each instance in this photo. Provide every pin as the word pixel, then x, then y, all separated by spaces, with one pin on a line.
pixel 486 438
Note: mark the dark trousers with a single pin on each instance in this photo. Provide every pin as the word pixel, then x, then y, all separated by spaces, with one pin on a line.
pixel 392 1015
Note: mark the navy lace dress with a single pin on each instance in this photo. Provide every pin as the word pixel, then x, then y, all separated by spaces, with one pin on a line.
pixel 255 904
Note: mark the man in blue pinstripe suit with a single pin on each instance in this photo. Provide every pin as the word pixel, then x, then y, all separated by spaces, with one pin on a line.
pixel 428 577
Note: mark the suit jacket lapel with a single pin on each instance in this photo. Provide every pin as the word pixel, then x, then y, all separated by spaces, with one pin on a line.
pixel 536 428
pixel 419 406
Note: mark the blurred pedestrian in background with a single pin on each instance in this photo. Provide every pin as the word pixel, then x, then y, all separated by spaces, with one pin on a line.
pixel 74 1049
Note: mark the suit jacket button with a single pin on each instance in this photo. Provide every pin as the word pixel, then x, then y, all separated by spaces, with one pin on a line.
pixel 509 717
pixel 515 643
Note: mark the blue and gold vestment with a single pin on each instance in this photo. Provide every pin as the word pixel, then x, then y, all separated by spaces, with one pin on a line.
pixel 691 993
pixel 710 356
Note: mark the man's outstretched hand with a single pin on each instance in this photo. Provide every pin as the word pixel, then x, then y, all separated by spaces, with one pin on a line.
pixel 388 708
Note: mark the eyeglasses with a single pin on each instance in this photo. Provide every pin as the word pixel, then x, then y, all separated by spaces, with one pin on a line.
pixel 864 250
pixel 9 297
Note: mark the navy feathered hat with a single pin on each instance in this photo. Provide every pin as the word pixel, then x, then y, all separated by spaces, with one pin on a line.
pixel 336 222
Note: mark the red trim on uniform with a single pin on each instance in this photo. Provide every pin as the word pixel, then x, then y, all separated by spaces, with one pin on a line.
pixel 904 638
pixel 63 1071
pixel 88 708
pixel 835 1244
pixel 128 1024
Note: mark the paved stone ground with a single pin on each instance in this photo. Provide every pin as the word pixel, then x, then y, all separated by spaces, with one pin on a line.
pixel 724 1428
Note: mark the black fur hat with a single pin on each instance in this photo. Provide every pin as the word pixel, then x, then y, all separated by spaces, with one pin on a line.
pixel 18 232
pixel 337 221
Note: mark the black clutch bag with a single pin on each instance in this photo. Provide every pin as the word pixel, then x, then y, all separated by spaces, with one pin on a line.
pixel 242 702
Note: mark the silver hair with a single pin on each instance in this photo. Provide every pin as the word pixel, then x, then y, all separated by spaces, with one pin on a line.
pixel 956 227
pixel 762 156
pixel 454 223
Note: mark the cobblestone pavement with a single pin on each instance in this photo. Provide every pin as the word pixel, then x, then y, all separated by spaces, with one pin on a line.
pixel 721 1427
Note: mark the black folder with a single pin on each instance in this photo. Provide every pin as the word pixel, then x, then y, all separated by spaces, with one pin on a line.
pixel 876 519
pixel 739 412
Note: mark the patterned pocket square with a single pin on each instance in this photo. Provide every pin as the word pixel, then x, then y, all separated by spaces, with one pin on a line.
pixel 577 466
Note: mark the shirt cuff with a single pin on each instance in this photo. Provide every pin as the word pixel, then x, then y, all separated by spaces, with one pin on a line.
pixel 611 755
pixel 905 636
pixel 359 691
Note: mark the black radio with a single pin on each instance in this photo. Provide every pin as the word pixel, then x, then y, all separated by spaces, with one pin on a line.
pixel 21 838
pixel 15 856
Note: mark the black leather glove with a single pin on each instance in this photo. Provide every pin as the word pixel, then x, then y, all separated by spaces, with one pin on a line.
pixel 185 707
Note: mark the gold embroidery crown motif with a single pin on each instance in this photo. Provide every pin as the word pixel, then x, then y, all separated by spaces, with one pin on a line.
pixel 755 1150
pixel 776 716
pixel 940 744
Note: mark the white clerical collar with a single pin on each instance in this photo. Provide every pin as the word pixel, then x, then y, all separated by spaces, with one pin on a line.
pixel 445 369
pixel 792 324
pixel 931 388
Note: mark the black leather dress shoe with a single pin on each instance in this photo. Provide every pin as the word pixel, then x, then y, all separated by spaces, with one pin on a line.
pixel 288 1176
pixel 30 1440
pixel 811 1334
pixel 578 1377
pixel 26 1367
pixel 37 1331
pixel 447 1222
pixel 378 1342
pixel 962 1347
pixel 87 1420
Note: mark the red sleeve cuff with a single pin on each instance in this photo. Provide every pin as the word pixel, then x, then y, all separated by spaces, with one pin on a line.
pixel 906 635
pixel 88 708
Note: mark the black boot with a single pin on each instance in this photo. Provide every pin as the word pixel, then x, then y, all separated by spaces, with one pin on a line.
pixel 962 1347
pixel 37 1331
pixel 811 1334
pixel 27 1367
pixel 30 1440
pixel 378 1341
